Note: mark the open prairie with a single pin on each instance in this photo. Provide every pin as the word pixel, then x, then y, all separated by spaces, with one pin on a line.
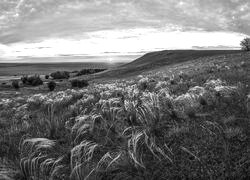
pixel 186 118
pixel 124 89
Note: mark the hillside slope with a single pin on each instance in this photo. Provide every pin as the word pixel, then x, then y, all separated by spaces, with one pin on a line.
pixel 159 59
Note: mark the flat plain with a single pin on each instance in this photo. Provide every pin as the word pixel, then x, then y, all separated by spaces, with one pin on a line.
pixel 12 69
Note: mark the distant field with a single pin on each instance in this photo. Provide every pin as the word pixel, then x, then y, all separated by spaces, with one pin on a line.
pixel 18 69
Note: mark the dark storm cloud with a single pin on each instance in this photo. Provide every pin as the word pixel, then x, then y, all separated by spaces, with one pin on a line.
pixel 34 20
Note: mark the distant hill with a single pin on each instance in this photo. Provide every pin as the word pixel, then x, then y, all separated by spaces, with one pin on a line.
pixel 155 60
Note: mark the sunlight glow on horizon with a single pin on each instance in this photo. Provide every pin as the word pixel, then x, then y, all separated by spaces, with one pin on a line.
pixel 111 43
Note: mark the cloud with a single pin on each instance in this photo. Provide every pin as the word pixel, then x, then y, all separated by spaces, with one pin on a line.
pixel 96 28
pixel 113 43
pixel 35 20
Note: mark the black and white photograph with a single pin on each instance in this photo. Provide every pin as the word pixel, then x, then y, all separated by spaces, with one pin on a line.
pixel 124 89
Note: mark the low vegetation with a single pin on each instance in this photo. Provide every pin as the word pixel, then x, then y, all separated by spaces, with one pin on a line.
pixel 190 125
pixel 60 75
pixel 89 71
pixel 51 85
pixel 245 44
pixel 47 76
pixel 15 84
pixel 32 80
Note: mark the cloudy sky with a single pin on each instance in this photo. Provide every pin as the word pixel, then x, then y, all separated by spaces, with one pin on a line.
pixel 108 29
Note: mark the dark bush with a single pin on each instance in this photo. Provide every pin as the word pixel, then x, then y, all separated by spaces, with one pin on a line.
pixel 32 80
pixel 35 80
pixel 46 76
pixel 51 85
pixel 15 84
pixel 79 83
pixel 245 44
pixel 143 84
pixel 24 79
pixel 60 75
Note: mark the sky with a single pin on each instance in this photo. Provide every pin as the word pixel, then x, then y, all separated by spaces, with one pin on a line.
pixel 80 30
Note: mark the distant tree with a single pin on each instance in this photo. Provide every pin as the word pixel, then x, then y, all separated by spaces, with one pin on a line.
pixel 245 44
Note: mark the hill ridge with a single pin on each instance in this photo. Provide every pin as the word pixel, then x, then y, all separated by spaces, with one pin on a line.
pixel 158 59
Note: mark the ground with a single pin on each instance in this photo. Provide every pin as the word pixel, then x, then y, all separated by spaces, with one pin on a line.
pixel 188 119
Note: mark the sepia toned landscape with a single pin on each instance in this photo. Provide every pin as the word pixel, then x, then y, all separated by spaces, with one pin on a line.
pixel 118 101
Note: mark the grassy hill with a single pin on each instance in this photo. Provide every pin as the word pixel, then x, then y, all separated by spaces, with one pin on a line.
pixel 159 59
pixel 186 116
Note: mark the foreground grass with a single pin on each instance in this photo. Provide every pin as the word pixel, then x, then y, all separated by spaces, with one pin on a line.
pixel 180 124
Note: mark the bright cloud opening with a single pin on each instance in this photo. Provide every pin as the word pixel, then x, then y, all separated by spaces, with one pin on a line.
pixel 126 42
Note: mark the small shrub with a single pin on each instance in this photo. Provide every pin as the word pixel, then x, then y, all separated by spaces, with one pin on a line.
pixel 51 85
pixel 35 80
pixel 60 75
pixel 15 84
pixel 146 84
pixel 46 76
pixel 32 80
pixel 79 83
pixel 143 84
pixel 24 79
pixel 151 85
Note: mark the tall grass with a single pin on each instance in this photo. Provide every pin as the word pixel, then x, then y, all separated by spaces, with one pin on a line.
pixel 194 128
